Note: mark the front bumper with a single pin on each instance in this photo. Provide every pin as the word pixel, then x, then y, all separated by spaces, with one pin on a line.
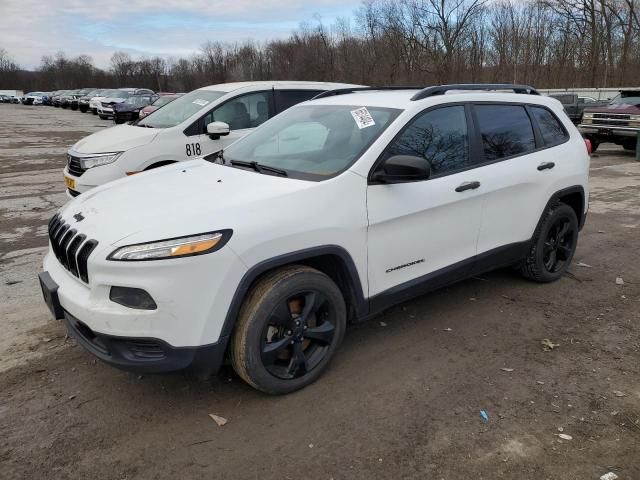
pixel 136 354
pixel 192 294
pixel 145 355
pixel 608 130
pixel 92 178
pixel 106 111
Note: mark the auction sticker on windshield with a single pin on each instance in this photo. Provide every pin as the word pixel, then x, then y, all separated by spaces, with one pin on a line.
pixel 362 117
pixel 200 102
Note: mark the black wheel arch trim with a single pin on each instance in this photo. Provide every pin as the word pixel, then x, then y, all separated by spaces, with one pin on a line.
pixel 361 304
pixel 557 196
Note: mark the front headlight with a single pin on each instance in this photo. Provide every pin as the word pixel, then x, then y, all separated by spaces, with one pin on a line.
pixel 98 160
pixel 173 248
pixel 587 115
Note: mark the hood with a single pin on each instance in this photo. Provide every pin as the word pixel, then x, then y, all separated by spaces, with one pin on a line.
pixel 116 139
pixel 126 107
pixel 183 199
pixel 615 108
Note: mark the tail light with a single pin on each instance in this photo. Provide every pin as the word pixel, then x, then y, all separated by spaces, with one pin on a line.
pixel 587 142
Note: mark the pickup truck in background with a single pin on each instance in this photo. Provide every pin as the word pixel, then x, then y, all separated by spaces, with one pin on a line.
pixel 618 122
pixel 575 104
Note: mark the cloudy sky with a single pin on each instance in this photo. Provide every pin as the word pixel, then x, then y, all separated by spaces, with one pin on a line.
pixel 30 29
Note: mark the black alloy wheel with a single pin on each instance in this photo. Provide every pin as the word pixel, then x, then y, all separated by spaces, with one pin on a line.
pixel 298 334
pixel 553 245
pixel 558 246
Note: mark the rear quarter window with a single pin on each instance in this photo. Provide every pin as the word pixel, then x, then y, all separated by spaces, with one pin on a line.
pixel 506 130
pixel 550 127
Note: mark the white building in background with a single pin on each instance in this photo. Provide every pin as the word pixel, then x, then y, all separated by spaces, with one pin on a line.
pixel 596 93
pixel 12 93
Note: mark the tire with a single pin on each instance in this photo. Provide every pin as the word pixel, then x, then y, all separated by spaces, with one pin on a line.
pixel 269 349
pixel 594 145
pixel 551 249
pixel 103 117
pixel 630 146
pixel 94 111
pixel 83 109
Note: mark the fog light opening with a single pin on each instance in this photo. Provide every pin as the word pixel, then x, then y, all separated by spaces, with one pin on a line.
pixel 132 298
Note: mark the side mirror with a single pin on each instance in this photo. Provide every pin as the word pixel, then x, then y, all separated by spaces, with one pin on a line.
pixel 403 168
pixel 217 130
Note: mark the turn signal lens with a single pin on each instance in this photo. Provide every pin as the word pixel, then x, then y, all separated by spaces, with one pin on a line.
pixel 196 247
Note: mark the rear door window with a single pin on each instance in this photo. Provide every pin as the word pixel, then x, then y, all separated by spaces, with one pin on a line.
pixel 550 127
pixel 506 130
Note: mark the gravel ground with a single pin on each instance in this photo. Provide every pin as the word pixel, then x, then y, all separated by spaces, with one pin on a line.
pixel 401 400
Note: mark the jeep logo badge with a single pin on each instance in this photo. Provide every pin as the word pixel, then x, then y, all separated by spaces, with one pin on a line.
pixel 78 216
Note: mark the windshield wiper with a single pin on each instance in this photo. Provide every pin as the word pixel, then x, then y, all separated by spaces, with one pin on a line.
pixel 258 167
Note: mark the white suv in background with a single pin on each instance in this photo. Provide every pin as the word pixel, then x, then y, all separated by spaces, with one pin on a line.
pixel 178 131
pixel 331 212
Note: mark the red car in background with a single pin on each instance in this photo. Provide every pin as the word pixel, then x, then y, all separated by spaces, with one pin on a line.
pixel 163 100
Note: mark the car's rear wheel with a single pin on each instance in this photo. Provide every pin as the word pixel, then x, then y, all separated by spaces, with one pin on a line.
pixel 554 244
pixel 288 330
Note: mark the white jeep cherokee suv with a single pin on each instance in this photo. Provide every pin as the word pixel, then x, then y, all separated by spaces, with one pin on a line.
pixel 330 212
pixel 178 131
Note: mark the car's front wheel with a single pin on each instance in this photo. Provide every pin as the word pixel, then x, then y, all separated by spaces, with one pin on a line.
pixel 288 330
pixel 554 244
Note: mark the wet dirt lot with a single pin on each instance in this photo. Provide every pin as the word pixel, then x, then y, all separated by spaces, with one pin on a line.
pixel 401 400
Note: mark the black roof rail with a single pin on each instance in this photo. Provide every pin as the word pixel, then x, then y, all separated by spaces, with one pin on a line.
pixel 442 89
pixel 344 91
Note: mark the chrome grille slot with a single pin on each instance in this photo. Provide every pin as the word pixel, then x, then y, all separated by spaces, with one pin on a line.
pixel 72 251
pixel 83 256
pixel 71 248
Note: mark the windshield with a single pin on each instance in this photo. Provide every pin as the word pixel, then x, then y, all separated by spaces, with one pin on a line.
pixel 109 93
pixel 180 109
pixel 313 142
pixel 629 98
pixel 136 100
pixel 163 100
pixel 121 94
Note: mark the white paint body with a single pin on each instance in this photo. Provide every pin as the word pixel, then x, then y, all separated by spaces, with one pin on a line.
pixel 380 226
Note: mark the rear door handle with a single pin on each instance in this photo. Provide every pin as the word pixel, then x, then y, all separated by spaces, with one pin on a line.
pixel 468 186
pixel 546 166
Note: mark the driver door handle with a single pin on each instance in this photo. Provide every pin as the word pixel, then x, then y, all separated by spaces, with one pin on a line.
pixel 468 186
pixel 546 166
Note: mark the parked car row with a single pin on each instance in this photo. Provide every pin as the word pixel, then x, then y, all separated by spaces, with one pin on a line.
pixel 119 104
pixel 9 99
pixel 294 217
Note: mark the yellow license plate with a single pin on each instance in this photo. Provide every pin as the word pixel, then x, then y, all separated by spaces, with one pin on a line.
pixel 71 183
